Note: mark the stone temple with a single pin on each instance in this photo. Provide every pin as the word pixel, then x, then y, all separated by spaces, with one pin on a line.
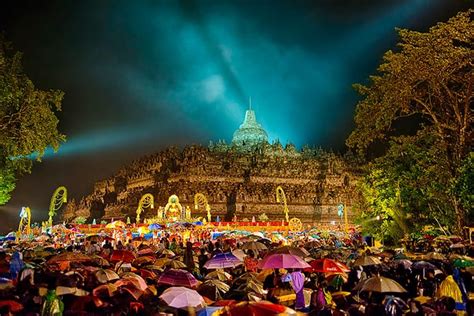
pixel 238 179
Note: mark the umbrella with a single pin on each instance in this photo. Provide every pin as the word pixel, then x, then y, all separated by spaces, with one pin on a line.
pixel 166 262
pixel 135 279
pixel 109 289
pixel 122 255
pixel 222 260
pixel 435 256
pixel 69 257
pixel 94 238
pixel 144 260
pixel 13 306
pixel 208 311
pixel 404 262
pixel 382 285
pixel 181 297
pixel 252 286
pixel 328 266
pixel 419 265
pixel 240 254
pixel 218 275
pixel 176 277
pixel 276 261
pixel 462 263
pixel 262 308
pixel 213 289
pixel 366 261
pixel 244 278
pixel 301 252
pixel 168 252
pixel 254 245
pixel 106 275
pixel 116 224
pixel 154 226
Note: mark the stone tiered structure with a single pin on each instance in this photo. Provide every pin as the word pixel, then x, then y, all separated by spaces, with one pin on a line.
pixel 238 179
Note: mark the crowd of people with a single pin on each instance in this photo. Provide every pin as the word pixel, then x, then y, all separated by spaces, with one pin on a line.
pixel 187 270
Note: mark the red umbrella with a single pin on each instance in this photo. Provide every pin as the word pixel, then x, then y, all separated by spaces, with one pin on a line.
pixel 328 266
pixel 262 308
pixel 122 255
pixel 13 306
pixel 175 277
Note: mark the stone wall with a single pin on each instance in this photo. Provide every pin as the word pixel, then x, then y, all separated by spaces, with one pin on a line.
pixel 234 182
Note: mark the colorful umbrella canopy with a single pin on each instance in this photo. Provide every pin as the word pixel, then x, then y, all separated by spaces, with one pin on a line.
pixel 367 261
pixel 435 256
pixel 176 277
pixel 239 253
pixel 116 224
pixel 182 297
pixel 423 265
pixel 328 266
pixel 382 285
pixel 301 252
pixel 222 260
pixel 213 289
pixel 282 260
pixel 122 255
pixel 154 226
pixel 106 275
pixel 208 311
pixel 462 263
pixel 262 308
pixel 218 275
pixel 13 306
pixel 136 280
pixel 254 245
pixel 69 257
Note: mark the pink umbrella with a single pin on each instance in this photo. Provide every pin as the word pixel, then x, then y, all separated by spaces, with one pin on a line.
pixel 181 297
pixel 176 277
pixel 283 260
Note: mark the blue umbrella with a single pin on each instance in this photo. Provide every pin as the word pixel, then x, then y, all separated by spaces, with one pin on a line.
pixel 208 311
pixel 222 260
pixel 154 226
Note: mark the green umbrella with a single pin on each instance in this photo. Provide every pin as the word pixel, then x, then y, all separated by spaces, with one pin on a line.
pixel 461 263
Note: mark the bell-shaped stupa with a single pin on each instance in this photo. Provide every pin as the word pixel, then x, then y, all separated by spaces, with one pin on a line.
pixel 250 132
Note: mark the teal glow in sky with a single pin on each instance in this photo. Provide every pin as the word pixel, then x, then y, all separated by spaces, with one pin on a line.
pixel 142 75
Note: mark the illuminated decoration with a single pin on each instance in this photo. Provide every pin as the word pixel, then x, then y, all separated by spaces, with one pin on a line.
pixel 173 209
pixel 250 133
pixel 281 198
pixel 200 200
pixel 295 224
pixel 24 227
pixel 146 201
pixel 188 213
pixel 57 200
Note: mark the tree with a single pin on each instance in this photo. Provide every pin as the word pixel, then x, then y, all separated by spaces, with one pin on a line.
pixel 429 80
pixel 28 124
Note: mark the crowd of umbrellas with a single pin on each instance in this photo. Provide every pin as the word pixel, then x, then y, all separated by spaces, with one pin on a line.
pixel 232 273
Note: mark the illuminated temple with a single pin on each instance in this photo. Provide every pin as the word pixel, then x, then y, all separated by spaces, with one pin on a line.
pixel 238 179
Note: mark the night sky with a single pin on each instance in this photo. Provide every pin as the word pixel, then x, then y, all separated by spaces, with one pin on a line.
pixel 142 75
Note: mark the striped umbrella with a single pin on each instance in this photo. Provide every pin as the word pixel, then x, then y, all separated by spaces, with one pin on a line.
pixel 176 277
pixel 222 260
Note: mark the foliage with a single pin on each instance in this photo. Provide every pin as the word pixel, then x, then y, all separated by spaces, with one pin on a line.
pixel 263 217
pixel 80 220
pixel 404 188
pixel 28 124
pixel 7 184
pixel 426 84
pixel 464 186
